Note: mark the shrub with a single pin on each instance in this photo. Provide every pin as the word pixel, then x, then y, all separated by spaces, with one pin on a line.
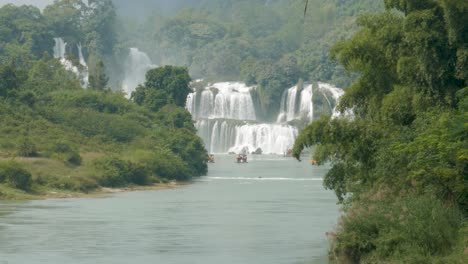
pixel 79 184
pixel 13 173
pixel 408 230
pixel 115 172
pixel 163 163
pixel 26 147
pixel 64 151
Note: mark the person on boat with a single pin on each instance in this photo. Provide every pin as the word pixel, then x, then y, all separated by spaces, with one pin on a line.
pixel 211 158
pixel 239 158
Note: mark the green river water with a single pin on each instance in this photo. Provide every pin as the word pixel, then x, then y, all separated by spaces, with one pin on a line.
pixel 273 210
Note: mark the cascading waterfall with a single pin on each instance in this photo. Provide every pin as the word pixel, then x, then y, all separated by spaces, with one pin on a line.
pixel 222 101
pixel 288 104
pixel 85 72
pixel 136 66
pixel 226 119
pixel 59 48
pixel 289 110
pixel 306 107
pixel 59 53
pixel 270 138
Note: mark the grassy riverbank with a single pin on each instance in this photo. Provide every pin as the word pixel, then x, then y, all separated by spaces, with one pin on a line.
pixel 58 136
pixel 68 131
pixel 52 179
pixel 11 194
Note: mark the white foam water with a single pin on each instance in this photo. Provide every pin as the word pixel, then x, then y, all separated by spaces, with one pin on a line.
pixel 59 53
pixel 262 179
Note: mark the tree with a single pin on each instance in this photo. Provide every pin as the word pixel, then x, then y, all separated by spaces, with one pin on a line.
pixel 406 140
pixel 15 175
pixel 23 34
pixel 64 18
pixel 9 80
pixel 164 85
pixel 98 78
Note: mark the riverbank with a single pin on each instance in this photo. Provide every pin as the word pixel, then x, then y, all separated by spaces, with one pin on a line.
pixel 46 178
pixel 11 194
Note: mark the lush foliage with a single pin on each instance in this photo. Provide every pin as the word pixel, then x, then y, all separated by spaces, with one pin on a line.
pixel 269 44
pixel 407 138
pixel 164 85
pixel 15 175
pixel 64 137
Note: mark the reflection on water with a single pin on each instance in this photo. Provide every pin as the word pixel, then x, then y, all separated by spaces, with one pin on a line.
pixel 271 210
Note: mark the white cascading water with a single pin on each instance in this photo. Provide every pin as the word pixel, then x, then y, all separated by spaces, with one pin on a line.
pixel 136 66
pixel 85 72
pixel 59 48
pixel 306 107
pixel 226 121
pixel 288 104
pixel 59 53
pixel 227 100
pixel 289 110
pixel 270 138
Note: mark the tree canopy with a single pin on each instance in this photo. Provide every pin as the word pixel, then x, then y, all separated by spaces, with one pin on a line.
pixel 163 85
pixel 406 140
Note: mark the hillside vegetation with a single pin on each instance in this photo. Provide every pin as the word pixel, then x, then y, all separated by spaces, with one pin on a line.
pixel 55 135
pixel 270 44
pixel 400 164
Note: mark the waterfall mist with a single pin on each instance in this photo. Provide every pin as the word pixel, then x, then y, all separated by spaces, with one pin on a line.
pixel 135 68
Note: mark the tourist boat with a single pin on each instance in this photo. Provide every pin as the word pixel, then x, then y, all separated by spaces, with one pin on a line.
pixel 241 158
pixel 211 158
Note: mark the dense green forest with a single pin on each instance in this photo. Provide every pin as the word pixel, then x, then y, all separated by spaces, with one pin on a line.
pixel 270 44
pixel 400 164
pixel 57 136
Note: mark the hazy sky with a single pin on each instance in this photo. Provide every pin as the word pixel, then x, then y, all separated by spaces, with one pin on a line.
pixel 39 3
pixel 132 8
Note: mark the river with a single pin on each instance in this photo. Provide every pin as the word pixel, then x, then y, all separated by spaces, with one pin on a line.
pixel 272 210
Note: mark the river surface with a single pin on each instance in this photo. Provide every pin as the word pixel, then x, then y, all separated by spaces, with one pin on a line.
pixel 272 210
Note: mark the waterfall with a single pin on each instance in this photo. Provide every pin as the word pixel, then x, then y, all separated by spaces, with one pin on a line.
pixel 136 66
pixel 85 71
pixel 59 48
pixel 290 110
pixel 271 138
pixel 306 107
pixel 288 105
pixel 59 53
pixel 225 117
pixel 226 120
pixel 228 100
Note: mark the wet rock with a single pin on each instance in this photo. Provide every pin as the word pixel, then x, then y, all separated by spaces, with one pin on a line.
pixel 258 151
